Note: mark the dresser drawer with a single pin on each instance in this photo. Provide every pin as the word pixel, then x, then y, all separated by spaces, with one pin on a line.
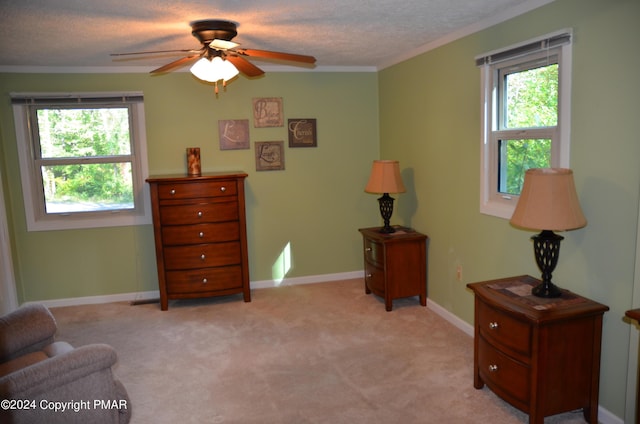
pixel 202 255
pixel 204 280
pixel 201 233
pixel 196 189
pixel 503 374
pixel 504 331
pixel 198 213
pixel 373 252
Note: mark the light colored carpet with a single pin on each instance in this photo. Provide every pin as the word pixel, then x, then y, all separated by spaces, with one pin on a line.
pixel 317 353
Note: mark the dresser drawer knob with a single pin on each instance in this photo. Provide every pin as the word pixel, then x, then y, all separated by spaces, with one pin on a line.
pixel 201 234
pixel 223 189
pixel 202 257
pixel 205 281
pixel 493 368
pixel 493 325
pixel 172 192
pixel 369 275
pixel 199 214
pixel 368 249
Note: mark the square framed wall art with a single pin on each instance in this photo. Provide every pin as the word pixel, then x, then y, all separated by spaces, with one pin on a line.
pixel 233 134
pixel 302 133
pixel 268 112
pixel 269 155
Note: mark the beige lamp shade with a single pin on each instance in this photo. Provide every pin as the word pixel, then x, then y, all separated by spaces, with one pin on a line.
pixel 385 177
pixel 548 201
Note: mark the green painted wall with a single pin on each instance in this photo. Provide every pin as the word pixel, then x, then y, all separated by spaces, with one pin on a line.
pixel 315 205
pixel 430 122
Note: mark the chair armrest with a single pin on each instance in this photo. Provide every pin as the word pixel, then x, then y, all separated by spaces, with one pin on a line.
pixel 57 371
pixel 27 329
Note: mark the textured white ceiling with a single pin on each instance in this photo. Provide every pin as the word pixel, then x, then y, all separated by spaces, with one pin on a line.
pixel 339 33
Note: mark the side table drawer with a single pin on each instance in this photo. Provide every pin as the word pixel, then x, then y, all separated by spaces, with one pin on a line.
pixel 373 252
pixel 374 278
pixel 503 330
pixel 204 280
pixel 504 375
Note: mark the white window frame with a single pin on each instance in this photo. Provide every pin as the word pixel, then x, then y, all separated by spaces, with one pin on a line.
pixel 493 202
pixel 31 177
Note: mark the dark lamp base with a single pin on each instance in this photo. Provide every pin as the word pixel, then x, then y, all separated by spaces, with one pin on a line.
pixel 546 289
pixel 386 210
pixel 546 249
pixel 387 230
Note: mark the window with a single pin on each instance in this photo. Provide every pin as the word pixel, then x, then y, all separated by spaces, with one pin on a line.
pixel 525 116
pixel 82 159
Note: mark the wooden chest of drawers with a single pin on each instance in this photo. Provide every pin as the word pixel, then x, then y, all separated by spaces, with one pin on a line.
pixel 395 265
pixel 540 355
pixel 200 235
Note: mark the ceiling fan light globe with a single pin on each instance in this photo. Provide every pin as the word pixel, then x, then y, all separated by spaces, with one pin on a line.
pixel 214 70
pixel 203 69
pixel 229 71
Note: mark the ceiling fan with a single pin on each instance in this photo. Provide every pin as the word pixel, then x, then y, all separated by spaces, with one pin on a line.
pixel 215 37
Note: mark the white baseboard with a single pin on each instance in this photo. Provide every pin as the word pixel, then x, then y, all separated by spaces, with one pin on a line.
pixel 94 300
pixel 311 279
pixel 606 417
pixel 448 316
pixel 155 294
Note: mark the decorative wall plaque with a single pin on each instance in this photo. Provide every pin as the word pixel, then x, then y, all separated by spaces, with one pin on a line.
pixel 268 112
pixel 233 134
pixel 302 133
pixel 269 155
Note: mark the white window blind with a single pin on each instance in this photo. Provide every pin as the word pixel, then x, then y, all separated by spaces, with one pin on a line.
pixel 519 50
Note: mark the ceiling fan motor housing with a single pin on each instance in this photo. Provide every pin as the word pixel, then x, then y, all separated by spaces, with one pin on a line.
pixel 208 30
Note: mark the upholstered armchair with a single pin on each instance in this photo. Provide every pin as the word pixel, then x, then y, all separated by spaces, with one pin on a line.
pixel 48 381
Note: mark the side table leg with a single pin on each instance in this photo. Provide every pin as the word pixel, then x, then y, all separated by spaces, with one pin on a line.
pixel 590 414
pixel 388 304
pixel 535 418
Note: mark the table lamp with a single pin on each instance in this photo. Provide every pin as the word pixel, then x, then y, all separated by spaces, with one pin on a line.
pixel 548 202
pixel 385 178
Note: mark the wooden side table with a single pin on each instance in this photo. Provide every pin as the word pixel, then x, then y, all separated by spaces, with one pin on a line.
pixel 634 314
pixel 540 355
pixel 395 264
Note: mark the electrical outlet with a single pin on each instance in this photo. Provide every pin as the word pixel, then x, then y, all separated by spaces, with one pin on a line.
pixel 459 273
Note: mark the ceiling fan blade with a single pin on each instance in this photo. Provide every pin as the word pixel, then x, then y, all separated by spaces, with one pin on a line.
pixel 276 55
pixel 244 66
pixel 157 52
pixel 175 64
